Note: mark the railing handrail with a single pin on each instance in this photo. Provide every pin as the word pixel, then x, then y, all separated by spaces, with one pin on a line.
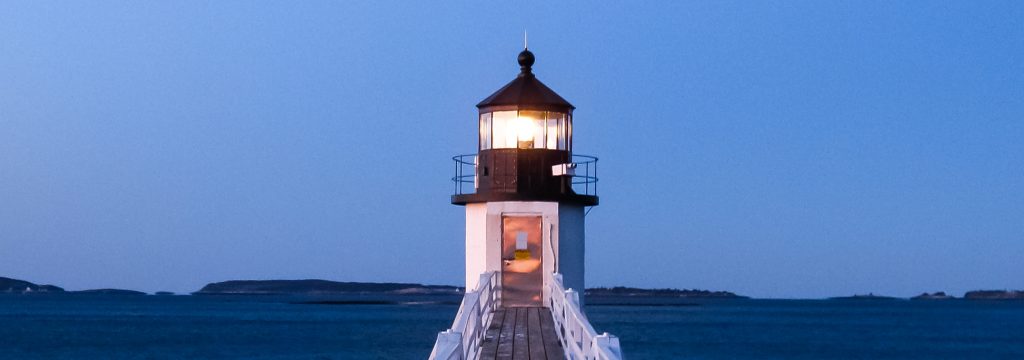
pixel 463 339
pixel 578 337
pixel 586 167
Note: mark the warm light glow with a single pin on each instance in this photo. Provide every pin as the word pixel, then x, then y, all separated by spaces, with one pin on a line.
pixel 523 266
pixel 525 130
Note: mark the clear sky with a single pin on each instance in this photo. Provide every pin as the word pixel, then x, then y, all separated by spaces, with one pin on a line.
pixel 776 149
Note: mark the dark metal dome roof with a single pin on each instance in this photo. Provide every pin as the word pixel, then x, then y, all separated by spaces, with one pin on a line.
pixel 526 91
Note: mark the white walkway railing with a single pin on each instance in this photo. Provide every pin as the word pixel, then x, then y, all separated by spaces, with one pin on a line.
pixel 579 340
pixel 463 340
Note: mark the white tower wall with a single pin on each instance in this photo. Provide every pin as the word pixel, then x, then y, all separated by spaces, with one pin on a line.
pixel 476 244
pixel 562 239
pixel 571 247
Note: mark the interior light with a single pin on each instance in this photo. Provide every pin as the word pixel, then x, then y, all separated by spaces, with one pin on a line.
pixel 525 129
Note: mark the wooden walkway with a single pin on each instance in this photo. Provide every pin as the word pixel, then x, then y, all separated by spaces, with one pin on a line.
pixel 521 333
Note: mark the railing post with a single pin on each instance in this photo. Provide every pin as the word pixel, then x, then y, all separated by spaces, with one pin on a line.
pixel 485 279
pixel 471 298
pixel 588 179
pixel 609 343
pixel 471 342
pixel 476 173
pixel 572 300
pixel 448 346
pixel 573 297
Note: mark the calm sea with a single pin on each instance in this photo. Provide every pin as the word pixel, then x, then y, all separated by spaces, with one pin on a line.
pixel 247 327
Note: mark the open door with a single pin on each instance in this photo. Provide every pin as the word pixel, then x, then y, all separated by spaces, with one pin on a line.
pixel 522 278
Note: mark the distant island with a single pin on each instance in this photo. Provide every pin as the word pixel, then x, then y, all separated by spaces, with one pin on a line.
pixel 869 296
pixel 994 295
pixel 975 295
pixel 8 285
pixel 683 293
pixel 109 292
pixel 319 287
pixel 15 286
pixel 933 296
pixel 326 287
pixel 941 295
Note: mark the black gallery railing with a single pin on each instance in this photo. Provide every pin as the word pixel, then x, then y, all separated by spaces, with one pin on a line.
pixel 583 171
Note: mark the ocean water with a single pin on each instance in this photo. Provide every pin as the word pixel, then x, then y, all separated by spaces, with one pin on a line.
pixel 266 327
pixel 818 329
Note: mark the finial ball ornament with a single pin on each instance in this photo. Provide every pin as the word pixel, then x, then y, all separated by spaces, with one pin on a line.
pixel 526 60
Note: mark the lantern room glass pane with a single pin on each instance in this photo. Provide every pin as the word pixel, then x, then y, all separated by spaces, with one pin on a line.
pixel 502 136
pixel 552 133
pixel 556 121
pixel 485 131
pixel 524 130
pixel 530 130
pixel 568 132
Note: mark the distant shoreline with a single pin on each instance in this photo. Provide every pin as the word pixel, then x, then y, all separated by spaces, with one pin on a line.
pixel 316 287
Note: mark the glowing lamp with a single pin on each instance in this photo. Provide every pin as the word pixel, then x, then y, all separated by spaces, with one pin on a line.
pixel 524 129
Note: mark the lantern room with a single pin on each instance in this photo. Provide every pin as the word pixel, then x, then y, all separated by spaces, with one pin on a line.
pixel 525 149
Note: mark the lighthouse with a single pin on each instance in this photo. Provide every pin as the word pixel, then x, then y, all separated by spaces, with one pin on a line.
pixel 525 214
pixel 526 194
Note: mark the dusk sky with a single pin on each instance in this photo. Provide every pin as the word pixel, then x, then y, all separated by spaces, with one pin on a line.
pixel 773 149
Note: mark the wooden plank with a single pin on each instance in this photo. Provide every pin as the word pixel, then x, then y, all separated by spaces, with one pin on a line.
pixel 520 342
pixel 552 346
pixel 506 336
pixel 536 342
pixel 489 346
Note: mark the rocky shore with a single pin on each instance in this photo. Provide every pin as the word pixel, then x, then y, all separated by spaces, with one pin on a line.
pixel 638 292
pixel 275 287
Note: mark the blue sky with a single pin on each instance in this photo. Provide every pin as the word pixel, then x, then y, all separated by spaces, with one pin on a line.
pixel 776 149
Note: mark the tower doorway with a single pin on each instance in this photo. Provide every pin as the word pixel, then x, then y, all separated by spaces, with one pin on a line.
pixel 522 278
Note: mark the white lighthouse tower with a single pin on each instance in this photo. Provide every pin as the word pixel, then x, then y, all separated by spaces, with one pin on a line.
pixel 524 218
pixel 526 193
